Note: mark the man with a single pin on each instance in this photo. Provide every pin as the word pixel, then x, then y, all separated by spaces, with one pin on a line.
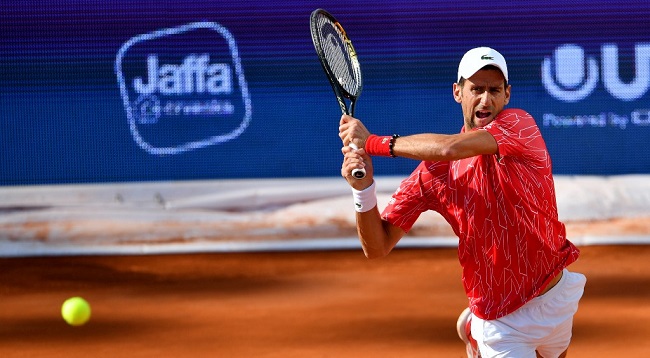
pixel 493 184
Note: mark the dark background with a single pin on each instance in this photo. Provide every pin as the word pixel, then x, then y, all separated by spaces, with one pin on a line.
pixel 63 117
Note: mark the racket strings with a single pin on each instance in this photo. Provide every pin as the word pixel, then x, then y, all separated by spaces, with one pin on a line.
pixel 337 53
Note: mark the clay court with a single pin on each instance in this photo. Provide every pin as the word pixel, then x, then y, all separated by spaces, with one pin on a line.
pixel 290 304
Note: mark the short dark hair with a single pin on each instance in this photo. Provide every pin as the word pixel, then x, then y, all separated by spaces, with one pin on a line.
pixel 462 80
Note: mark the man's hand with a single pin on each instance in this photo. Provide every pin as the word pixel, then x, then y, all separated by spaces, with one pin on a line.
pixel 352 130
pixel 356 159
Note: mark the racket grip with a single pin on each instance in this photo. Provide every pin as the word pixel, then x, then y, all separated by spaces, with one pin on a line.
pixel 357 173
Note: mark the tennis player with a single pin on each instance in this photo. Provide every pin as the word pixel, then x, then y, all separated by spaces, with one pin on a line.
pixel 493 184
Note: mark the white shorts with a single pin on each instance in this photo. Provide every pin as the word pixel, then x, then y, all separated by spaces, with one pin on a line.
pixel 543 324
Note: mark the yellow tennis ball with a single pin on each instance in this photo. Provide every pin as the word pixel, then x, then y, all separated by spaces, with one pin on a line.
pixel 75 311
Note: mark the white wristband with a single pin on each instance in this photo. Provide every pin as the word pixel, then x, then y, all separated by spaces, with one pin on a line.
pixel 366 199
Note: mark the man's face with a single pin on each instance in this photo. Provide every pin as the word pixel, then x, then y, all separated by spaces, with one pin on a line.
pixel 482 97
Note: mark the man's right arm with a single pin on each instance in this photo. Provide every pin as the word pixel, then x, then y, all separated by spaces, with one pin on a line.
pixel 378 237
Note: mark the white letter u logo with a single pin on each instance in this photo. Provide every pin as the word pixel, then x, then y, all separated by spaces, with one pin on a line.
pixel 569 69
pixel 611 79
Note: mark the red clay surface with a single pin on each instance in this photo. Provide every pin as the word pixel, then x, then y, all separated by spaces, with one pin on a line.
pixel 299 304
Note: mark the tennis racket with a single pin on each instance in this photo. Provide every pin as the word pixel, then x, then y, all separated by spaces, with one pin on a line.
pixel 340 63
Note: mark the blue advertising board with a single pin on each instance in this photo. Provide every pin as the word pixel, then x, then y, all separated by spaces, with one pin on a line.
pixel 119 91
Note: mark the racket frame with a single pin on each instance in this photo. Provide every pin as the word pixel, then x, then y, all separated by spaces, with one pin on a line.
pixel 337 87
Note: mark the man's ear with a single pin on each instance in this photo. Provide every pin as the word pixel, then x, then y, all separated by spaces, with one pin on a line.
pixel 457 91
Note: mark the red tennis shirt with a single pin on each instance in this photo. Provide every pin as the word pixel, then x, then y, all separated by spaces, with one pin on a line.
pixel 503 209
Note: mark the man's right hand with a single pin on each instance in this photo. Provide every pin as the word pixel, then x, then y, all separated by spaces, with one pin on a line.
pixel 356 159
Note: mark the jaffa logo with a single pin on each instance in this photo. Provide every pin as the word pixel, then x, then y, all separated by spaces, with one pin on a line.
pixel 183 88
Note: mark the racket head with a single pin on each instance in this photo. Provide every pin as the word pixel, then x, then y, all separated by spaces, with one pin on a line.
pixel 339 60
pixel 337 56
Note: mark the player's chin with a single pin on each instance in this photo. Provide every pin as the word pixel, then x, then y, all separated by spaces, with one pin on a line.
pixel 482 120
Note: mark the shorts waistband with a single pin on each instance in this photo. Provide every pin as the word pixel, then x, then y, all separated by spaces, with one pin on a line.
pixel 548 295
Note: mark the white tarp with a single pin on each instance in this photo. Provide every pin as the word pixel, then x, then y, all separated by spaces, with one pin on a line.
pixel 231 215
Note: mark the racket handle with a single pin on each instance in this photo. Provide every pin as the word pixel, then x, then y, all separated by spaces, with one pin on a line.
pixel 357 173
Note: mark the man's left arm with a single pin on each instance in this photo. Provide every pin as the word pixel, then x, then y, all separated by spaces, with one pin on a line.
pixel 442 147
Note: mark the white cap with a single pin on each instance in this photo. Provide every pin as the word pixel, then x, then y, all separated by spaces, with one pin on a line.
pixel 479 57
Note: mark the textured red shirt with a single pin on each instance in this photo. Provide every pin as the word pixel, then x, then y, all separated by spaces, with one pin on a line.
pixel 502 208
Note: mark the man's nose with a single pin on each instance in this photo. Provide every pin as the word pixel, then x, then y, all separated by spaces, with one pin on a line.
pixel 485 98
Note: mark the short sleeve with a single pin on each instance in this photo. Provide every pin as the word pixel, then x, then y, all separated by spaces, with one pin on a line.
pixel 517 135
pixel 420 192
